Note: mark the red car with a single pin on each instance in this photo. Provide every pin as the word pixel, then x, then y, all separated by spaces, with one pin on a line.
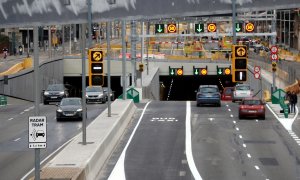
pixel 252 107
pixel 227 94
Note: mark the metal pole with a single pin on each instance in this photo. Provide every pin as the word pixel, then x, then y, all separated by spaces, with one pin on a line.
pixel 70 39
pixel 63 40
pixel 89 23
pixel 147 47
pixel 28 42
pixel 49 42
pixel 83 44
pixel 133 53
pixel 142 52
pixel 124 58
pixel 289 34
pixel 233 21
pixel 36 95
pixel 108 27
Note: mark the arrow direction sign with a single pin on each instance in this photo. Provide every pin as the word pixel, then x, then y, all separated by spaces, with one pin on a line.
pixel 159 28
pixel 196 72
pixel 172 72
pixel 238 27
pixel 199 28
pixel 219 71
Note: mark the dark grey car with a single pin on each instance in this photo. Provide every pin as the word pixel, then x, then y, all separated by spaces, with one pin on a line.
pixel 69 108
pixel 54 93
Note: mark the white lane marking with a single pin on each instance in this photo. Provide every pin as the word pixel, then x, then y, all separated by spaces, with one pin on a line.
pixel 256 120
pixel 234 122
pixel 152 120
pixel 188 143
pixel 227 105
pixel 244 145
pixel 237 128
pixel 170 120
pixel 211 119
pixel 229 110
pixel 161 120
pixel 241 137
pixel 118 173
pixel 256 167
pixel 231 115
pixel 10 119
pixel 22 112
pixel 17 139
pixel 176 120
pixel 249 155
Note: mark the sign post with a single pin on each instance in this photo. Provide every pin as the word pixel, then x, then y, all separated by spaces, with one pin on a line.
pixel 37 132
pixel 274 59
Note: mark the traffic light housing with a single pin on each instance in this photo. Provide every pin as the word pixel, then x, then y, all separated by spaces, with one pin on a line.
pixel 274 66
pixel 176 71
pixel 141 67
pixel 95 57
pixel 223 70
pixel 200 71
pixel 239 63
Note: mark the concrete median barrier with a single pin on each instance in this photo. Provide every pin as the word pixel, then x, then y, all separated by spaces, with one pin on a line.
pixel 83 162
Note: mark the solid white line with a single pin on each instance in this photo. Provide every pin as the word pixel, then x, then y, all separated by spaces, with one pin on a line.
pixel 188 143
pixel 118 173
pixel 10 119
pixel 17 139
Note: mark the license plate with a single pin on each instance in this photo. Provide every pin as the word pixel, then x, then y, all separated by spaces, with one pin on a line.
pixel 252 111
pixel 53 97
pixel 69 114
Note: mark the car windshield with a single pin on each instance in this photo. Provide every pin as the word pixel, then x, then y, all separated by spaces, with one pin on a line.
pixel 93 89
pixel 242 87
pixel 66 102
pixel 55 87
pixel 252 102
pixel 208 90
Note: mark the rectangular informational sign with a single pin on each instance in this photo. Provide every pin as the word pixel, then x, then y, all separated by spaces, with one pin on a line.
pixel 37 132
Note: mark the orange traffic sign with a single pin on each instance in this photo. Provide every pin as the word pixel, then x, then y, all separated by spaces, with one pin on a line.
pixel 211 27
pixel 171 28
pixel 250 27
pixel 203 71
pixel 227 71
pixel 179 72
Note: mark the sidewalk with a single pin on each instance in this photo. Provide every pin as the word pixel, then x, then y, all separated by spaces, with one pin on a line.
pixel 275 108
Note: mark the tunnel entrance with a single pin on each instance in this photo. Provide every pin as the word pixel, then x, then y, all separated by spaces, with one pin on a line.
pixel 182 88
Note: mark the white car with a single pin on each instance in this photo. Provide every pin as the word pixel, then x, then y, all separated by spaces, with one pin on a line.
pixel 241 91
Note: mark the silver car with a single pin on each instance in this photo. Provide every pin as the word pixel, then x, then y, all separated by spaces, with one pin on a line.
pixel 95 94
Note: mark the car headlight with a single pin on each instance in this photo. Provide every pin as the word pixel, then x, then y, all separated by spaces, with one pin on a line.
pixel 100 95
pixel 62 93
pixel 86 95
pixel 46 93
pixel 79 110
pixel 59 110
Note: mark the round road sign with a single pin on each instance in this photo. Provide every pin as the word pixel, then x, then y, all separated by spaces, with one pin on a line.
pixel 257 69
pixel 171 28
pixel 211 27
pixel 256 75
pixel 274 56
pixel 274 49
pixel 203 71
pixel 227 71
pixel 249 27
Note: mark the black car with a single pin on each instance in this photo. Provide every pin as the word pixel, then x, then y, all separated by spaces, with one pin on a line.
pixel 55 93
pixel 112 94
pixel 69 108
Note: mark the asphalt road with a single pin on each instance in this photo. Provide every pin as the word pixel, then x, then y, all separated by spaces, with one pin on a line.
pixel 223 147
pixel 16 159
